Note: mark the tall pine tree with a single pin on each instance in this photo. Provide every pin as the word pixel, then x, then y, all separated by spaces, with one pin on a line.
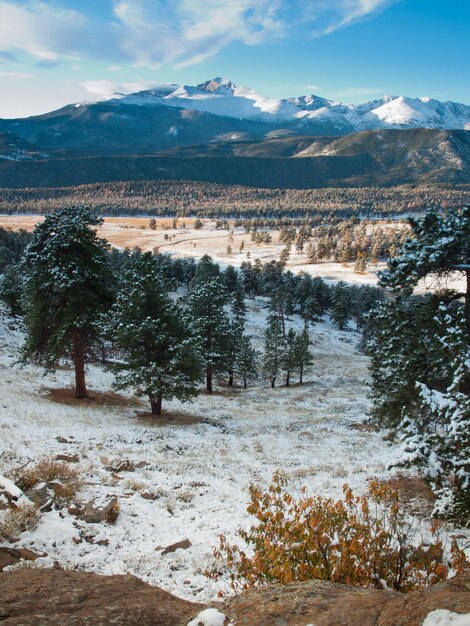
pixel 67 288
pixel 159 354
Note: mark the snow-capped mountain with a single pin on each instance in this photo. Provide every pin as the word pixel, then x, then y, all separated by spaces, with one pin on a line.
pixel 223 98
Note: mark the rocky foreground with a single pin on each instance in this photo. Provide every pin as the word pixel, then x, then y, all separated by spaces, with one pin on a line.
pixel 46 597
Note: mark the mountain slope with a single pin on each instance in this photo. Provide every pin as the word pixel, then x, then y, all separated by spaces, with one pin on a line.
pixel 222 97
pixel 370 158
pixel 218 112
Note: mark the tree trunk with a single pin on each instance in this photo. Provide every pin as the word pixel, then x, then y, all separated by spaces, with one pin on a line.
pixel 283 323
pixel 156 404
pixel 230 379
pixel 273 382
pixel 467 306
pixel 244 383
pixel 209 379
pixel 287 378
pixel 301 378
pixel 79 363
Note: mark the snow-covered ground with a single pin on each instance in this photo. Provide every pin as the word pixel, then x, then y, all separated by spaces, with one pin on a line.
pixel 200 470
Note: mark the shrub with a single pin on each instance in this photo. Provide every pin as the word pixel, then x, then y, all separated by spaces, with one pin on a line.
pixel 362 541
pixel 64 479
pixel 16 520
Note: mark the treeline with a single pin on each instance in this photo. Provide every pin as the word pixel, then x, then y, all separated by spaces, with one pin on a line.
pixel 212 200
pixel 343 242
pixel 162 324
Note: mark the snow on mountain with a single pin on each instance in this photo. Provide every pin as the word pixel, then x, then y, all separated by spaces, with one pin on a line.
pixel 222 97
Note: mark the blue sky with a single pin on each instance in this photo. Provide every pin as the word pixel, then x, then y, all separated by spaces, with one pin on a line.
pixel 56 52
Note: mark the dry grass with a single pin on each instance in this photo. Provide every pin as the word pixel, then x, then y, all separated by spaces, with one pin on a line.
pixel 45 471
pixel 64 479
pixel 18 519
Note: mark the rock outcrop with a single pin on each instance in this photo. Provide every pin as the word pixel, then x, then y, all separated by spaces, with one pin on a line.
pixel 53 597
pixel 328 604
pixel 67 598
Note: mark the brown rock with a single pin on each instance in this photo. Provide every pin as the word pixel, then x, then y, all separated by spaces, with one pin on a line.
pixel 179 545
pixel 68 458
pixel 11 556
pixel 67 598
pixel 327 604
pixel 100 510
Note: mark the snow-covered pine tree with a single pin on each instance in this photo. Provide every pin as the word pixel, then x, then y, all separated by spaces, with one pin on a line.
pixel 205 305
pixel 238 304
pixel 303 355
pixel 273 348
pixel 289 354
pixel 439 244
pixel 341 305
pixel 68 286
pixel 233 339
pixel 159 354
pixel 435 430
pixel 247 358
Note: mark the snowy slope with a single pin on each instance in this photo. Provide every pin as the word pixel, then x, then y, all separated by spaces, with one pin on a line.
pixel 222 97
pixel 200 470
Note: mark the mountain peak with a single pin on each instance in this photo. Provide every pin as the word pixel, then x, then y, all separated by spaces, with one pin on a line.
pixel 216 83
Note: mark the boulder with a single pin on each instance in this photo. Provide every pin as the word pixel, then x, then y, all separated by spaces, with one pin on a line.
pixel 53 597
pixel 67 458
pixel 103 509
pixel 327 604
pixel 12 556
pixel 179 545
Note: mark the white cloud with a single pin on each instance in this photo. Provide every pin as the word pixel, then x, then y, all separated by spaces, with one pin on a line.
pixel 172 32
pixel 106 88
pixel 15 75
pixel 312 87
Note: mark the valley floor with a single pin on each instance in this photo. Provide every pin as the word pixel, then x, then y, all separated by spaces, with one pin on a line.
pixel 199 464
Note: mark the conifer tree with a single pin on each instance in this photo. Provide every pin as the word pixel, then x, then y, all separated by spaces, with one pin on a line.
pixel 438 245
pixel 205 304
pixel 246 362
pixel 159 354
pixel 238 304
pixel 67 287
pixel 303 356
pixel 289 354
pixel 341 305
pixel 273 348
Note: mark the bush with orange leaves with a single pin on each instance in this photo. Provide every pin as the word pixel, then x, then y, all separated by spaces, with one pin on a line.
pixel 364 541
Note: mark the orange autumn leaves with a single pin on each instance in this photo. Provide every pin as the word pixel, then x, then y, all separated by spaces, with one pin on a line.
pixel 366 541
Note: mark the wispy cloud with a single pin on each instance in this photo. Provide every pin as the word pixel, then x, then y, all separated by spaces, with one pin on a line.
pixel 105 88
pixel 172 32
pixel 15 75
pixel 312 88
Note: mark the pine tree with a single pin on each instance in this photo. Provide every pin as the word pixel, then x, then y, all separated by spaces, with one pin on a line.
pixel 289 354
pixel 232 341
pixel 439 245
pixel 67 288
pixel 341 305
pixel 303 356
pixel 159 354
pixel 246 362
pixel 273 348
pixel 205 303
pixel 11 288
pixel 238 304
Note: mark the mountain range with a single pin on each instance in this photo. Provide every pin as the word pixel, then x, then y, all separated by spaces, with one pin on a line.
pixel 389 141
